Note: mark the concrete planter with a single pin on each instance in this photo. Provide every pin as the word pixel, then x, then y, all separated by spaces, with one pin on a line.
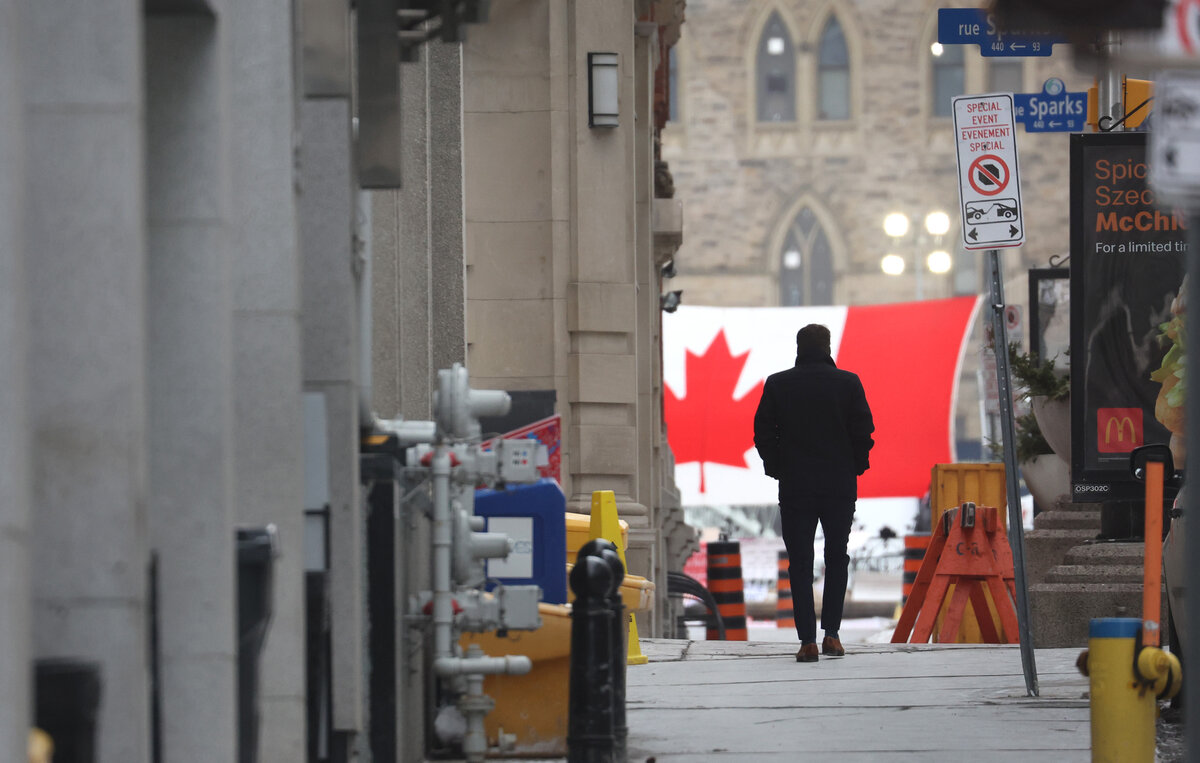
pixel 1054 419
pixel 1048 478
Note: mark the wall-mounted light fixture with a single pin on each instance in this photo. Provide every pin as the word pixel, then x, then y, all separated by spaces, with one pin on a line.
pixel 670 301
pixel 668 270
pixel 603 89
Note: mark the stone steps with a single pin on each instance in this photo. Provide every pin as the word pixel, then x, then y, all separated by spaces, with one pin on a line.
pixel 1068 520
pixel 1107 554
pixel 1095 573
pixel 1046 549
pixel 1062 612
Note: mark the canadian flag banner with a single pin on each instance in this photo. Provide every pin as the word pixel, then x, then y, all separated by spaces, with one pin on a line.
pixel 908 355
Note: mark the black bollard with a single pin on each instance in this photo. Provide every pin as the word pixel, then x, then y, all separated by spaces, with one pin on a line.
pixel 620 645
pixel 591 729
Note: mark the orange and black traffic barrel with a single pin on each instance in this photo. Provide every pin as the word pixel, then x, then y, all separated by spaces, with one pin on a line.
pixel 915 545
pixel 725 584
pixel 783 595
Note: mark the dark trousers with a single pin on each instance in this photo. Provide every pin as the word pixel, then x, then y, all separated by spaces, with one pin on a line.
pixel 799 517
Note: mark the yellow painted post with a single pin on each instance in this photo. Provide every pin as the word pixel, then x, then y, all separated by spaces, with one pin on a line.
pixel 1123 712
pixel 605 524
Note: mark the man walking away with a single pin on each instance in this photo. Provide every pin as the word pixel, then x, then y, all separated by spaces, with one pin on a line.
pixel 813 431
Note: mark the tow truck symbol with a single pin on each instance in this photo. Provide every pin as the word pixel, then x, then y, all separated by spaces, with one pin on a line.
pixel 1000 210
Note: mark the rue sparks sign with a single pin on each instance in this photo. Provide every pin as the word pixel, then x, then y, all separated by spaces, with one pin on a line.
pixel 989 188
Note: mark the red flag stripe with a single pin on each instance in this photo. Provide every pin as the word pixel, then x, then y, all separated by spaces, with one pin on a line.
pixel 907 356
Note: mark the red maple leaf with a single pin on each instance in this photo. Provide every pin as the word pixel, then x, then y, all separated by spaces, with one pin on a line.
pixel 708 425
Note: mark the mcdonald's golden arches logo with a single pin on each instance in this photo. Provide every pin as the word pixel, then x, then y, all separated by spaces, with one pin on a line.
pixel 1118 430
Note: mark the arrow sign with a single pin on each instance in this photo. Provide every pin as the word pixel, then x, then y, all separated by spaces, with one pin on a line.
pixel 1052 110
pixel 975 26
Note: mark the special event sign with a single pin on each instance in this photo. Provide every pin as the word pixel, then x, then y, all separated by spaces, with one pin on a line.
pixel 1127 277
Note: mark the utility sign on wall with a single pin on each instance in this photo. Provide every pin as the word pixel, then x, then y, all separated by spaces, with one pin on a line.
pixel 989 188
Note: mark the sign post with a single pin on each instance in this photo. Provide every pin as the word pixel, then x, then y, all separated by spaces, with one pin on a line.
pixel 989 192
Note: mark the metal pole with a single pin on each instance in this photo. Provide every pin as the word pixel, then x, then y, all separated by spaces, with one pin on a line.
pixel 1191 675
pixel 1108 87
pixel 1016 530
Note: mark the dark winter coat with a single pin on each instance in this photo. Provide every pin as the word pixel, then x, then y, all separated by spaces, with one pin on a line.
pixel 813 429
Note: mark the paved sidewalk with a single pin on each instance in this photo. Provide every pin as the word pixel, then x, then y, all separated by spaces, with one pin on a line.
pixel 751 701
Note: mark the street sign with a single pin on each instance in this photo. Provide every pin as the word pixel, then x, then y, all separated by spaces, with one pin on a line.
pixel 989 189
pixel 1175 139
pixel 1052 110
pixel 975 26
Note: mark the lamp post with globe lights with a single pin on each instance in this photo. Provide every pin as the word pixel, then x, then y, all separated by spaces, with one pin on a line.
pixel 937 223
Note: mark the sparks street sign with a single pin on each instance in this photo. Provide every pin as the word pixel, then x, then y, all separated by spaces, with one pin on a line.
pixel 1052 110
pixel 975 26
pixel 989 188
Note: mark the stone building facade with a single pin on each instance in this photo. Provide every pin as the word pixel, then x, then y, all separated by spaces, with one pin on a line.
pixel 864 131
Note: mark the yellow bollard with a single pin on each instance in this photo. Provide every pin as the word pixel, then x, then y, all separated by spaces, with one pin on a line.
pixel 1123 710
pixel 605 524
pixel 41 747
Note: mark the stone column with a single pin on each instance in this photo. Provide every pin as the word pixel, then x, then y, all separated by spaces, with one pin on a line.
pixel 646 542
pixel 331 366
pixel 602 434
pixel 447 233
pixel 15 711
pixel 83 81
pixel 191 516
pixel 268 407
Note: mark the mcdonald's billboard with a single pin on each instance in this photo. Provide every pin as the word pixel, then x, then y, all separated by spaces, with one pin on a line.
pixel 1127 272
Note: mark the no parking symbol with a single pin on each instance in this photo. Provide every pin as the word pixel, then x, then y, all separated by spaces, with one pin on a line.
pixel 988 175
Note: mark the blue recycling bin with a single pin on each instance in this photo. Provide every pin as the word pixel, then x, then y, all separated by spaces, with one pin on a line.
pixel 534 516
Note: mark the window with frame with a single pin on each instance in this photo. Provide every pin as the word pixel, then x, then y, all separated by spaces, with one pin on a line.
pixel 1006 77
pixel 833 73
pixel 949 77
pixel 775 73
pixel 806 263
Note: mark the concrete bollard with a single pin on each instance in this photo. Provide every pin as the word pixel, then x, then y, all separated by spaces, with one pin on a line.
pixel 595 723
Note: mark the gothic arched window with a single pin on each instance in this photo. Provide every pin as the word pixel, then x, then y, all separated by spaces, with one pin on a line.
pixel 805 263
pixel 833 73
pixel 949 77
pixel 775 73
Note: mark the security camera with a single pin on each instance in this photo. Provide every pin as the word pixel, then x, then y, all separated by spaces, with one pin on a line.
pixel 668 270
pixel 670 301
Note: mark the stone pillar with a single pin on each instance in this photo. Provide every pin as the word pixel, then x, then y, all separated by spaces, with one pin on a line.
pixel 447 233
pixel 268 407
pixel 331 367
pixel 602 434
pixel 15 711
pixel 414 370
pixel 645 544
pixel 191 517
pixel 84 214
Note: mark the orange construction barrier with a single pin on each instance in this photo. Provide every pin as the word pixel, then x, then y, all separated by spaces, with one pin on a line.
pixel 725 584
pixel 783 595
pixel 915 545
pixel 969 550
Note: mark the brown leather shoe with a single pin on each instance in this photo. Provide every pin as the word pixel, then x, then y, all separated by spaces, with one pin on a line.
pixel 831 647
pixel 807 653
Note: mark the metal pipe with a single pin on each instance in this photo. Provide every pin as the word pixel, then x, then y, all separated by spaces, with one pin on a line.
pixel 513 665
pixel 409 432
pixel 1108 88
pixel 443 537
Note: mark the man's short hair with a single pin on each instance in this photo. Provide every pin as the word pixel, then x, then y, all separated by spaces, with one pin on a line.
pixel 813 338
